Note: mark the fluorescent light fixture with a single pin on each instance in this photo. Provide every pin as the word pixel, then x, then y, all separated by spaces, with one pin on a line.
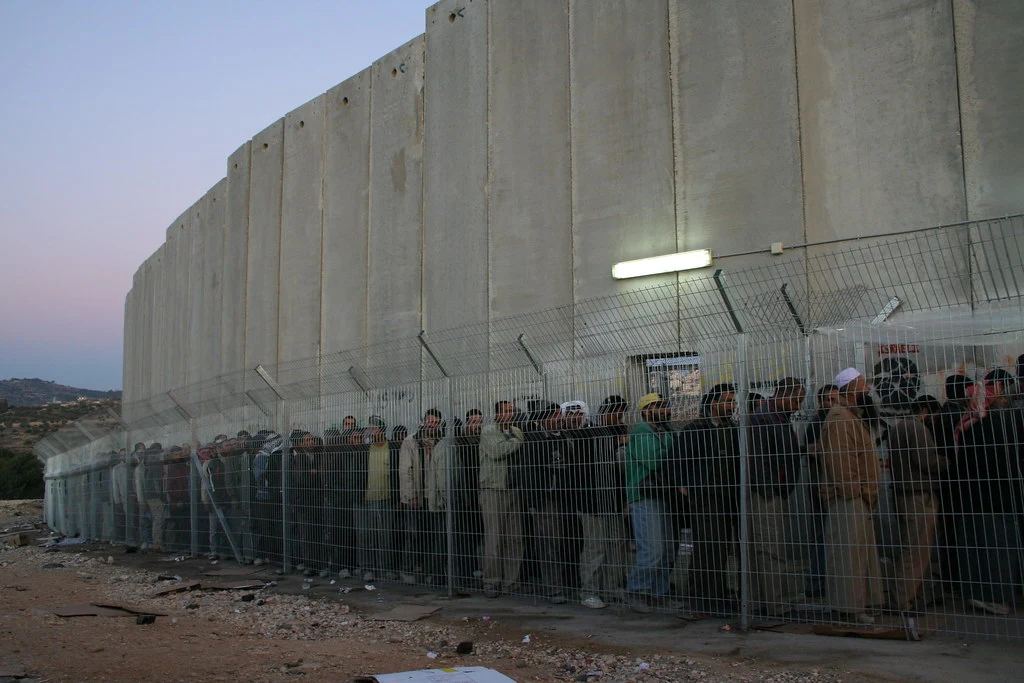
pixel 669 263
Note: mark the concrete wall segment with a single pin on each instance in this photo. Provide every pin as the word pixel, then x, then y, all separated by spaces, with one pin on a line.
pixel 623 201
pixel 879 116
pixel 301 232
pixel 738 166
pixel 236 247
pixel 455 235
pixel 214 209
pixel 198 315
pixel 990 64
pixel 530 206
pixel 396 197
pixel 455 165
pixel 263 265
pixel 346 215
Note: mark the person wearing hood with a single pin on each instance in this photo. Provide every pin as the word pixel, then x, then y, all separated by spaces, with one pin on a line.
pixel 849 491
pixel 423 489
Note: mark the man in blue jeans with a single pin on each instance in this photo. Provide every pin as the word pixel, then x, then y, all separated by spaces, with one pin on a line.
pixel 648 484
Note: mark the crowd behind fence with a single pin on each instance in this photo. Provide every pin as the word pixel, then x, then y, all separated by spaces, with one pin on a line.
pixel 833 439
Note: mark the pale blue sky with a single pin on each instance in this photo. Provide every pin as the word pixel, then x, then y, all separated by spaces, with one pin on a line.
pixel 115 116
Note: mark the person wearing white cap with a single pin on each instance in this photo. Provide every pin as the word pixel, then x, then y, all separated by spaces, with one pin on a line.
pixel 849 491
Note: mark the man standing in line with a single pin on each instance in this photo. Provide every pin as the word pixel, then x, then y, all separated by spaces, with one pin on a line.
pixel 547 451
pixel 466 498
pixel 774 470
pixel 710 448
pixel 917 466
pixel 849 490
pixel 828 398
pixel 500 505
pixel 599 470
pixel 646 453
pixel 420 461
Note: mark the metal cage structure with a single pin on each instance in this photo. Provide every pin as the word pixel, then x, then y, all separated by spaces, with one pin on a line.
pixel 835 437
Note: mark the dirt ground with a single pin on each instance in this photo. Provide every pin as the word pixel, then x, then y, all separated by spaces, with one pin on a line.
pixel 287 631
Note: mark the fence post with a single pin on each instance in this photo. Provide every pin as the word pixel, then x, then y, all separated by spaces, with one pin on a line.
pixel 286 465
pixel 744 530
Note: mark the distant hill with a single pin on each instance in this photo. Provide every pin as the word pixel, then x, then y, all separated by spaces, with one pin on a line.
pixel 36 392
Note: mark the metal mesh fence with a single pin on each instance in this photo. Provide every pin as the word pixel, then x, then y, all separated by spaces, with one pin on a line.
pixel 833 439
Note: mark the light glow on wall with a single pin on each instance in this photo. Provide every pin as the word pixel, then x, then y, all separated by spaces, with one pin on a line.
pixel 669 263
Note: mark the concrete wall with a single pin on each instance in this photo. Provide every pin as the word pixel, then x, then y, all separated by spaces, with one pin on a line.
pixel 502 162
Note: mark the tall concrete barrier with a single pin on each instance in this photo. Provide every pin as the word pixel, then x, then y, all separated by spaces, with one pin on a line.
pixel 236 249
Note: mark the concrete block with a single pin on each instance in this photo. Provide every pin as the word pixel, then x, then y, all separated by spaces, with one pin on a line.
pixel 236 248
pixel 214 208
pixel 179 312
pixel 738 180
pixel 529 212
pixel 164 319
pixel 622 168
pixel 878 115
pixel 530 201
pixel 198 318
pixel 455 166
pixel 623 201
pixel 396 200
pixel 301 233
pixel 990 63
pixel 128 350
pixel 346 216
pixel 263 266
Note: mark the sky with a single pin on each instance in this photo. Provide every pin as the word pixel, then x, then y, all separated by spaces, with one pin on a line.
pixel 115 116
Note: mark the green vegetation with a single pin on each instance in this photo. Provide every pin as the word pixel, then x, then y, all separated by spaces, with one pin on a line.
pixel 21 476
pixel 36 392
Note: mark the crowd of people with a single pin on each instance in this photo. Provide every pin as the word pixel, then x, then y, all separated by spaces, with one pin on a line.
pixel 567 503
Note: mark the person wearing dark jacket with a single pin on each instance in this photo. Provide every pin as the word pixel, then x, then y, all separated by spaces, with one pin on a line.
pixel 774 467
pixel 176 484
pixel 988 491
pixel 710 446
pixel 599 470
pixel 547 453
pixel 466 498
pixel 307 495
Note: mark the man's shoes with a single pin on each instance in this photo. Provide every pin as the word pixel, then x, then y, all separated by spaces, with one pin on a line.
pixel 309 572
pixel 368 576
pixel 593 602
pixel 991 607
pixel 491 592
pixel 864 618
pixel 407 578
pixel 639 603
pixel 344 573
pixel 557 599
pixel 324 574
pixel 299 567
pixel 391 576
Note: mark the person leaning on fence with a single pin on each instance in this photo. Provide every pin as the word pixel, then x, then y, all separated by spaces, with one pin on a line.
pixel 423 490
pixel 266 487
pixel 916 464
pixel 176 484
pixel 957 389
pixel 307 500
pixel 500 505
pixel 987 488
pixel 827 398
pixel 774 466
pixel 599 471
pixel 546 454
pixel 214 497
pixel 149 478
pixel 649 514
pixel 710 448
pixel 849 490
pixel 466 499
pixel 374 510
